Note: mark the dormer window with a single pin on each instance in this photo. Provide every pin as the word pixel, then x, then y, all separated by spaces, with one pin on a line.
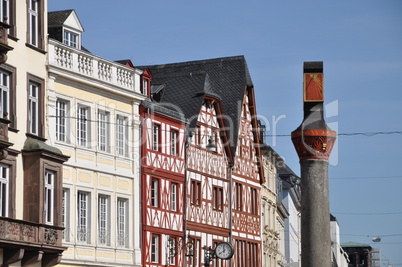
pixel 145 86
pixel 65 27
pixel 70 39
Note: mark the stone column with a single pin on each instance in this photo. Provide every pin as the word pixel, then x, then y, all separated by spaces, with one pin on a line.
pixel 313 141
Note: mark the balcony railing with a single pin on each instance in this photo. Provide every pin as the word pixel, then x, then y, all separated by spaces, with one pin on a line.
pixel 86 64
pixel 23 232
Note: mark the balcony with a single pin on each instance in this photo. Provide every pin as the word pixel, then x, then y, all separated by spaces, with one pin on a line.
pixel 30 242
pixel 67 60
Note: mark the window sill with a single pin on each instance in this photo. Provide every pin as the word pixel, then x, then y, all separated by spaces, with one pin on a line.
pixel 37 137
pixel 36 48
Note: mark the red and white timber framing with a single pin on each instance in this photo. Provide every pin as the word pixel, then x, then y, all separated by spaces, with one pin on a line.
pixel 246 175
pixel 208 184
pixel 162 182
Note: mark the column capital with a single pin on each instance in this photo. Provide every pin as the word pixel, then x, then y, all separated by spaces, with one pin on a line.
pixel 313 143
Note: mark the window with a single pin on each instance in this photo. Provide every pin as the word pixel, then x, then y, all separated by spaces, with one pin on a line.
pixel 4 189
pixel 173 197
pixel 4 10
pixel 33 22
pixel 145 86
pixel 7 14
pixel 195 193
pixel 253 201
pixel 217 198
pixel 155 137
pixel 121 136
pixel 122 222
pixel 154 192
pixel 65 214
pixel 33 108
pixel 197 252
pixel 35 105
pixel 4 94
pixel 103 220
pixel 173 143
pixel 103 130
pixel 70 39
pixel 61 122
pixel 173 249
pixel 155 248
pixel 238 197
pixel 7 93
pixel 83 126
pixel 83 214
pixel 49 196
pixel 198 139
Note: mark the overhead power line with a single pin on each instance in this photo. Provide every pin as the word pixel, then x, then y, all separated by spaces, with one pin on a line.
pixel 368 213
pixel 366 177
pixel 347 134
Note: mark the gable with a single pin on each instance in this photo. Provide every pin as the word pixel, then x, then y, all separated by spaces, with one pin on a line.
pixel 72 22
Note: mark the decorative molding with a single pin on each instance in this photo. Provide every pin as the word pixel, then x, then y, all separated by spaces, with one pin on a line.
pixel 314 144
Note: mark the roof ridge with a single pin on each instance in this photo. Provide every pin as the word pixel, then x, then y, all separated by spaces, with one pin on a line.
pixel 192 62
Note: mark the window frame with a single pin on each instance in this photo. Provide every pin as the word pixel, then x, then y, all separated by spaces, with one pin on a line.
pixel 217 198
pixel 156 136
pixel 155 248
pixel 84 237
pixel 122 240
pixel 11 72
pixel 104 232
pixel 49 196
pixel 122 135
pixel 239 197
pixel 195 193
pixel 155 192
pixel 174 200
pixel 68 41
pixel 39 99
pixel 174 142
pixel 65 213
pixel 103 131
pixel 83 127
pixel 4 190
pixel 35 32
pixel 62 121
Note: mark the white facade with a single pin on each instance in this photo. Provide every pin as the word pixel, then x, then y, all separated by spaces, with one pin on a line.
pixel 292 230
pixel 338 255
pixel 93 117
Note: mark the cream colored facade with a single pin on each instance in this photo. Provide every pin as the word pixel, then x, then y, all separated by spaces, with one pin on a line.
pixel 29 222
pixel 94 118
pixel 272 221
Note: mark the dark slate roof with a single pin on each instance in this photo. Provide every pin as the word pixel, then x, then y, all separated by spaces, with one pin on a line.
pixel 183 92
pixel 225 78
pixel 57 18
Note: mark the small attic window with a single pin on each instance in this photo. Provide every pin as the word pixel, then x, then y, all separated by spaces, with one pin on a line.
pixel 71 39
pixel 145 86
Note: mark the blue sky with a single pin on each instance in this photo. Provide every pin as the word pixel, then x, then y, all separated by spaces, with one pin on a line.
pixel 360 43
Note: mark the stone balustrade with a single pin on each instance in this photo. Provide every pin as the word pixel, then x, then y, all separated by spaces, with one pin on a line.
pixel 91 66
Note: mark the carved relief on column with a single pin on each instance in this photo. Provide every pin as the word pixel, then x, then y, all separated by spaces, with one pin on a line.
pixel 314 143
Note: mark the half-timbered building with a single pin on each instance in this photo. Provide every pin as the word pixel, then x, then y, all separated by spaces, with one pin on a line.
pixel 162 179
pixel 223 172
